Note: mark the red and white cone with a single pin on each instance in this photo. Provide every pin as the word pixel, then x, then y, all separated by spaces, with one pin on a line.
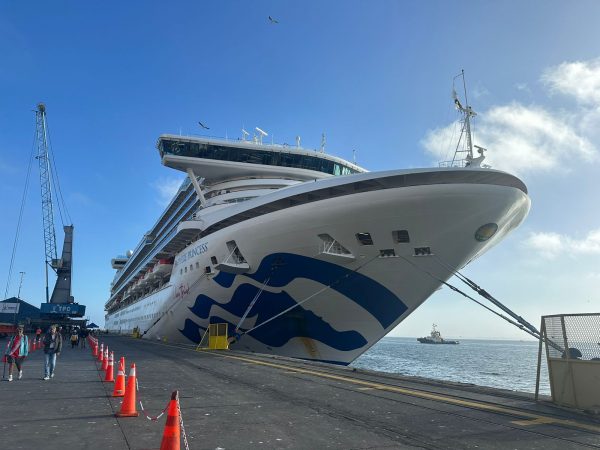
pixel 172 435
pixel 105 359
pixel 109 375
pixel 119 390
pixel 128 405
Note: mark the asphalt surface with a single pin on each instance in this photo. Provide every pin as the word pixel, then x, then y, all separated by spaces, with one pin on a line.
pixel 232 400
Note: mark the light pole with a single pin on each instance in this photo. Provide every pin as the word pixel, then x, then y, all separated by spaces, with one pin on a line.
pixel 18 296
pixel 20 284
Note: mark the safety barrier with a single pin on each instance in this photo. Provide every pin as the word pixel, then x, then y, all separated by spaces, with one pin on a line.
pixel 572 343
pixel 214 338
pixel 174 429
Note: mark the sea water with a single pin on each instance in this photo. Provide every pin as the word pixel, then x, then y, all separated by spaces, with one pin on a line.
pixel 500 364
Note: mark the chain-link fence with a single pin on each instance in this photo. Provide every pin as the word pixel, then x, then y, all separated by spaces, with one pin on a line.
pixel 580 333
pixel 572 344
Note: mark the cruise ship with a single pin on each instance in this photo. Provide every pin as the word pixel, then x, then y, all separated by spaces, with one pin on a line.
pixel 301 253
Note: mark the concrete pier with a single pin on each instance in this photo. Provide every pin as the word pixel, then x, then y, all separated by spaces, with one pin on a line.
pixel 233 400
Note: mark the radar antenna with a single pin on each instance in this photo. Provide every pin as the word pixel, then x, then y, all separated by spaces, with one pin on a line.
pixel 262 134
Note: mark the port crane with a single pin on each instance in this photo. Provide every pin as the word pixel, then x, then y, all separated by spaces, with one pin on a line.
pixel 61 301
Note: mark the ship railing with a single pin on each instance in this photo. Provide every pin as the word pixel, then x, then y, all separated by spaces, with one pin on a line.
pixel 454 163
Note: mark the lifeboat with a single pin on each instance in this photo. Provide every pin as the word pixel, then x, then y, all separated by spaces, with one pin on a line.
pixel 163 267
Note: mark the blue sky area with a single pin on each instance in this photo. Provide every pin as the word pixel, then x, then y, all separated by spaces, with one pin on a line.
pixel 376 77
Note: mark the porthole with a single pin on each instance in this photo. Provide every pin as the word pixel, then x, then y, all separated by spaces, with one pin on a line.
pixel 484 232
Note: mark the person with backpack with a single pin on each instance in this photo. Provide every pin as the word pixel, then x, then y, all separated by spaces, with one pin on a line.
pixel 74 338
pixel 16 352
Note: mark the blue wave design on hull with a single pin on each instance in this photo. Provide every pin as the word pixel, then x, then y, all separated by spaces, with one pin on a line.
pixel 281 269
pixel 298 322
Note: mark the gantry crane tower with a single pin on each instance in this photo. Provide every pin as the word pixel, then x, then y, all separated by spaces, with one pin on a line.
pixel 62 289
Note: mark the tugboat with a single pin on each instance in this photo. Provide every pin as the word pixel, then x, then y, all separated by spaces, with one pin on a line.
pixel 435 338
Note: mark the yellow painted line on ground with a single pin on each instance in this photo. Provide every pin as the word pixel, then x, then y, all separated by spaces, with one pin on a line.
pixel 539 421
pixel 536 418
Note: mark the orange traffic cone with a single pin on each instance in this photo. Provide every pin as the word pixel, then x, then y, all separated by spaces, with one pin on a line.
pixel 105 360
pixel 110 371
pixel 128 404
pixel 119 390
pixel 172 435
pixel 122 364
pixel 101 352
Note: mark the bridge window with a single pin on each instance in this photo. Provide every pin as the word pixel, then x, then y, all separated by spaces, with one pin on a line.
pixel 254 156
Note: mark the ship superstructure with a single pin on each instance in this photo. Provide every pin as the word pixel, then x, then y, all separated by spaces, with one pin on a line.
pixel 301 253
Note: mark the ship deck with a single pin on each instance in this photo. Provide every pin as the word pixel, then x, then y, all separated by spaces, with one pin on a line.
pixel 233 400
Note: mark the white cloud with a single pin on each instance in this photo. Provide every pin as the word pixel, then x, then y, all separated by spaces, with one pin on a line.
pixel 166 189
pixel 526 139
pixel 550 245
pixel 579 79
pixel 519 139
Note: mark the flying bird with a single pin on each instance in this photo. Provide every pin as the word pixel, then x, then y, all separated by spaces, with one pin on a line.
pixel 273 20
pixel 203 126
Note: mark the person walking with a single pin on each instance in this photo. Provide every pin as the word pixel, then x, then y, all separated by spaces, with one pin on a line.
pixel 83 334
pixel 38 335
pixel 16 352
pixel 52 348
pixel 74 338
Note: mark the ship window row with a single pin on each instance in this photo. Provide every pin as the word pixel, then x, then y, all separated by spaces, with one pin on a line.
pixel 399 236
pixel 185 269
pixel 254 156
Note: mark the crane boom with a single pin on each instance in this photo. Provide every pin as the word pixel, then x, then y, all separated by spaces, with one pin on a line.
pixel 46 191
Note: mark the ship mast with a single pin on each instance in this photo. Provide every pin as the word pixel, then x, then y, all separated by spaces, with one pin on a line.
pixel 463 155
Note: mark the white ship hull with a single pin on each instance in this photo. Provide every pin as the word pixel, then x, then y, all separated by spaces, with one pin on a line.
pixel 345 303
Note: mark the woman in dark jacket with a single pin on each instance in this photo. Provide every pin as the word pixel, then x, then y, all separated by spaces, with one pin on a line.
pixel 52 348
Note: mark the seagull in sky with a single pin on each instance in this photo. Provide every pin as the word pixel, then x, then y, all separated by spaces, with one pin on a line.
pixel 203 126
pixel 273 20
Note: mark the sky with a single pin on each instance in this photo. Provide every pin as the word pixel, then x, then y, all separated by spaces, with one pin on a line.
pixel 375 77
